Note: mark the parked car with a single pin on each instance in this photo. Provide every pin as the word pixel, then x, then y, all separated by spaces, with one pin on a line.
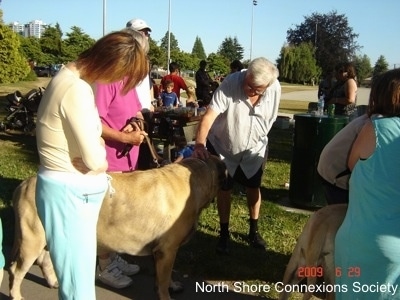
pixel 42 71
pixel 47 71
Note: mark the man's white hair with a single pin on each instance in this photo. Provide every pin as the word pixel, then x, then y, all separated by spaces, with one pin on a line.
pixel 139 37
pixel 262 71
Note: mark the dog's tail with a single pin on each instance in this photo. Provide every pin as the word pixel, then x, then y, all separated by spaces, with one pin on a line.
pixel 27 221
pixel 291 273
pixel 17 226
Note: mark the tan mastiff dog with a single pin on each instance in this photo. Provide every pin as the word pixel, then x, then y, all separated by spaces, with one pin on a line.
pixel 313 256
pixel 155 211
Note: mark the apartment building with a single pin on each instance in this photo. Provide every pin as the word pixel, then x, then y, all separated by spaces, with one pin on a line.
pixel 34 28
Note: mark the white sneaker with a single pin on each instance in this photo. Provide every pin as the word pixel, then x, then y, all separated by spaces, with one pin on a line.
pixel 126 268
pixel 112 276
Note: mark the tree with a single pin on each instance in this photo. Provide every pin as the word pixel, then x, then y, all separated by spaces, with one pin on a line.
pixel 218 64
pixel 13 64
pixel 31 49
pixel 174 48
pixel 381 66
pixel 76 42
pixel 156 55
pixel 285 63
pixel 51 44
pixel 185 60
pixel 330 34
pixel 231 49
pixel 297 64
pixel 173 42
pixel 246 63
pixel 58 29
pixel 198 49
pixel 363 67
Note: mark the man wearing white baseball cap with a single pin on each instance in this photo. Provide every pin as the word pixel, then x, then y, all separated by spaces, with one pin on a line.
pixel 143 90
pixel 138 25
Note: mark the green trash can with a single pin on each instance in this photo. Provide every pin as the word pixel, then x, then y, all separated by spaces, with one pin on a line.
pixel 311 134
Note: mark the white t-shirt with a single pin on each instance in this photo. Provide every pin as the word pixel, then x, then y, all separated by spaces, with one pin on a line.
pixel 239 133
pixel 143 92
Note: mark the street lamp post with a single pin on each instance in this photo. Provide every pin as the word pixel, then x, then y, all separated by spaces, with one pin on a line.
pixel 251 35
pixel 169 36
pixel 104 17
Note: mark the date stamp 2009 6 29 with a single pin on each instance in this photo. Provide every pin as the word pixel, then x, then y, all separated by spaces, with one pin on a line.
pixel 318 271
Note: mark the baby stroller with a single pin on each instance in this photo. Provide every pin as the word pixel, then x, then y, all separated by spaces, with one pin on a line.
pixel 21 110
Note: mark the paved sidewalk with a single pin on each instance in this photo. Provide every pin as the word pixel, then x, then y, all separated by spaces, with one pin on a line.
pixel 311 95
pixel 34 287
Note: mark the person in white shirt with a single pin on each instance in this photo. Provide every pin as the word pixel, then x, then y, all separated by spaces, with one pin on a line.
pixel 71 182
pixel 143 89
pixel 235 127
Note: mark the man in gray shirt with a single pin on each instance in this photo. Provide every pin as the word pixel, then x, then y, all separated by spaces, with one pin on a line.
pixel 235 127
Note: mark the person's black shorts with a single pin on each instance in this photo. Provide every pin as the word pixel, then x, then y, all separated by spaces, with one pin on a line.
pixel 239 176
pixel 334 194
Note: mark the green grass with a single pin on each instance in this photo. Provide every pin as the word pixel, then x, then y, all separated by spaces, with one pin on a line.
pixel 279 227
pixel 197 259
pixel 23 86
pixel 293 106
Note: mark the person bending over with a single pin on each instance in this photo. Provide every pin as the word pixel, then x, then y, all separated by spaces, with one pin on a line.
pixel 235 126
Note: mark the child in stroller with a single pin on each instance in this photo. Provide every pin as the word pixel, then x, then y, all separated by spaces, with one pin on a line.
pixel 21 110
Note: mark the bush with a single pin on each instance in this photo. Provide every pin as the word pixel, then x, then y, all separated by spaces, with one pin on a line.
pixel 30 77
pixel 13 65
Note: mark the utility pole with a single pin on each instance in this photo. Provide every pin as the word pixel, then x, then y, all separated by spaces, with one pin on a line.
pixel 252 18
pixel 169 36
pixel 104 17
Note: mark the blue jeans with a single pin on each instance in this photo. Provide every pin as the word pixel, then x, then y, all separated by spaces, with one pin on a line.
pixel 68 206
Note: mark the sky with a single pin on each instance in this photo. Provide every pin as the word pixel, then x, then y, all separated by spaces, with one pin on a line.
pixel 260 29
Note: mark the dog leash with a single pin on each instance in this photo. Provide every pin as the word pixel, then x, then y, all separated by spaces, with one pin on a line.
pixel 141 123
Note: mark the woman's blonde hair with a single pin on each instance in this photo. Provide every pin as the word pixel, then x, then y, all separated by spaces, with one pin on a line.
pixel 114 57
pixel 191 91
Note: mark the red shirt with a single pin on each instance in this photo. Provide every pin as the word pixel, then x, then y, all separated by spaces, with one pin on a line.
pixel 178 81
